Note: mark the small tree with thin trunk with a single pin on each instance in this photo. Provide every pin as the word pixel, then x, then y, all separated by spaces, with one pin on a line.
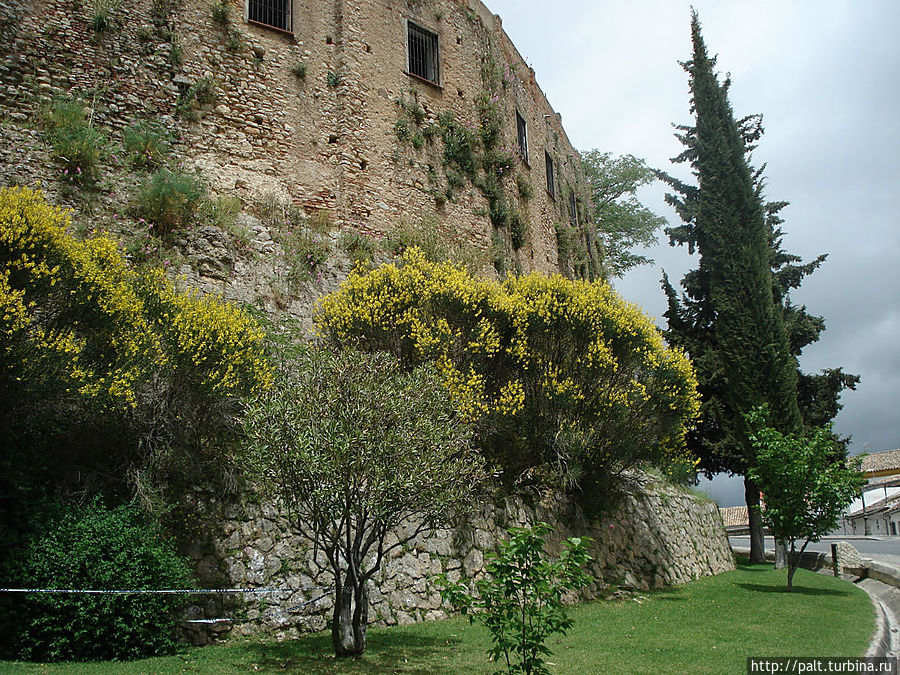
pixel 807 483
pixel 357 447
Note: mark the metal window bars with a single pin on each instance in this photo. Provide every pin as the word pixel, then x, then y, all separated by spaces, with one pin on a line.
pixel 522 135
pixel 271 13
pixel 548 164
pixel 423 53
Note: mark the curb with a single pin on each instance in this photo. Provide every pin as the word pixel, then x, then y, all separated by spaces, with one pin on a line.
pixel 886 624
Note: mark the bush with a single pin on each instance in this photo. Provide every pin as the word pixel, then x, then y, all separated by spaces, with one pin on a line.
pixel 359 247
pixel 146 143
pixel 565 379
pixel 93 547
pixel 518 229
pixel 221 13
pixel 104 370
pixel 77 145
pixel 434 244
pixel 169 200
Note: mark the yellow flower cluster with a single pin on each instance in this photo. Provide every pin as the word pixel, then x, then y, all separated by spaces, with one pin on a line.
pixel 218 343
pixel 546 348
pixel 76 315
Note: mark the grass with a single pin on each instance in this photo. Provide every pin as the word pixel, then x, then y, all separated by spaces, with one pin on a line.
pixel 708 626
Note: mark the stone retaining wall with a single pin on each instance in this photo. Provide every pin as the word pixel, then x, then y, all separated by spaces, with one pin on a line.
pixel 659 535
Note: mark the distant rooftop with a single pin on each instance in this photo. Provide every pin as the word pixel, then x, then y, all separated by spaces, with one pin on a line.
pixel 881 461
pixel 734 516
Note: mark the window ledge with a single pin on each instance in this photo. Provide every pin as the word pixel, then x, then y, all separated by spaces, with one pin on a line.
pixel 422 79
pixel 281 31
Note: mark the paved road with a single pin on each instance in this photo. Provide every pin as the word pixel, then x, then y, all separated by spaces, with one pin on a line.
pixel 886 549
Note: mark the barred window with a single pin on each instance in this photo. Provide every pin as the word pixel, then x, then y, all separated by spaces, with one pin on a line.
pixel 522 135
pixel 422 46
pixel 548 163
pixel 271 13
pixel 573 209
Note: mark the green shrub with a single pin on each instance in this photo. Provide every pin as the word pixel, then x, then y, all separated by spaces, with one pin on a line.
pixel 169 200
pixel 221 13
pixel 77 145
pixel 103 15
pixel 200 93
pixel 299 70
pixel 358 246
pixel 333 79
pixel 518 229
pixel 520 600
pixel 304 252
pixel 526 189
pixel 460 145
pixel 434 244
pixel 146 143
pixel 93 547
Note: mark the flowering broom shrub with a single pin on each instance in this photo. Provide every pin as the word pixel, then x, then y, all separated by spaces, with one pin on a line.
pixel 89 343
pixel 565 380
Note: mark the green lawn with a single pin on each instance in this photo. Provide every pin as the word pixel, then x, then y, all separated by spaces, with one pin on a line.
pixel 708 626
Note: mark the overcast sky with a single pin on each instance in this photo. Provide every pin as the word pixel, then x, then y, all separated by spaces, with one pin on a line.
pixel 825 74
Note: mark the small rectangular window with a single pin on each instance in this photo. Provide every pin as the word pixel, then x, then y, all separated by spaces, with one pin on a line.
pixel 573 209
pixel 548 163
pixel 271 13
pixel 422 48
pixel 522 134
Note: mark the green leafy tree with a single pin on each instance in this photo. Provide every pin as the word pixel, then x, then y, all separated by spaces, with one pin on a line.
pixel 622 222
pixel 520 601
pixel 806 481
pixel 730 321
pixel 355 447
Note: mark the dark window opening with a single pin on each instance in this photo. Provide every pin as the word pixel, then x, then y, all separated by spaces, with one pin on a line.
pixel 573 209
pixel 423 53
pixel 271 13
pixel 548 163
pixel 522 135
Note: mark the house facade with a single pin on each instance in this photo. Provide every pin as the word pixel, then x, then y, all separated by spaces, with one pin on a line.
pixel 877 510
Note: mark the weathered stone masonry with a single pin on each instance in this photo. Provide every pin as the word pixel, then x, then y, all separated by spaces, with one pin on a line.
pixel 325 141
pixel 660 535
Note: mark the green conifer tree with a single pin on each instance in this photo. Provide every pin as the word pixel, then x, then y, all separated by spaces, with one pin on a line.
pixel 730 321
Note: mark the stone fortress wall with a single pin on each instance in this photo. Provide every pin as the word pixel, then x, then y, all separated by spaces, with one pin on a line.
pixel 358 139
pixel 326 141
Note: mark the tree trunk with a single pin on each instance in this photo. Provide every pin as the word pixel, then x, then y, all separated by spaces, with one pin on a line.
pixel 793 563
pixel 781 555
pixel 757 543
pixel 350 618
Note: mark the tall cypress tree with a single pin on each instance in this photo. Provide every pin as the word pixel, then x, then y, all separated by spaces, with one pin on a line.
pixel 729 320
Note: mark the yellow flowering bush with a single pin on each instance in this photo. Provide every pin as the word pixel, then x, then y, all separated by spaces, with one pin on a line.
pixel 85 338
pixel 561 376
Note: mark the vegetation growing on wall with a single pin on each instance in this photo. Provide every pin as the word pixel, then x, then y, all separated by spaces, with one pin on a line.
pixel 567 383
pixel 105 370
pixel 77 144
pixel 471 154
